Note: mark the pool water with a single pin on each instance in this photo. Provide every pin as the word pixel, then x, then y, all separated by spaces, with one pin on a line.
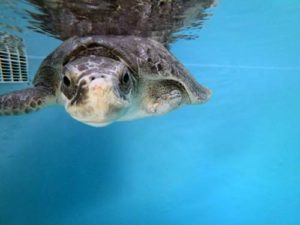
pixel 231 161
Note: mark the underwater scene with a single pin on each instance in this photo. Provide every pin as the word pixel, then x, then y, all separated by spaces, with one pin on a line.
pixel 167 112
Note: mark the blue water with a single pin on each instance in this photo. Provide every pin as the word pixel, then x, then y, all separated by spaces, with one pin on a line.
pixel 232 161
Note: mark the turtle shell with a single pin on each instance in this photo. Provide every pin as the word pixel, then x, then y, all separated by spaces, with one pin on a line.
pixel 146 58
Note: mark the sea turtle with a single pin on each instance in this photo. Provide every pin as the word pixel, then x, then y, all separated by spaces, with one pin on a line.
pixel 105 78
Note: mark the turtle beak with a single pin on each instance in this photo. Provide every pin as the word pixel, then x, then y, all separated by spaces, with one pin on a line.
pixel 108 86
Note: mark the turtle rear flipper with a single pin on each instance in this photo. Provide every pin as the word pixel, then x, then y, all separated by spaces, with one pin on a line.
pixel 25 101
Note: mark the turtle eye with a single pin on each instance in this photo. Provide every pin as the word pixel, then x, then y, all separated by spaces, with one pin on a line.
pixel 125 82
pixel 126 78
pixel 66 81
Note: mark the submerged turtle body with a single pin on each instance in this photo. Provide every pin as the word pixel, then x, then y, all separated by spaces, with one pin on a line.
pixel 101 79
pixel 113 65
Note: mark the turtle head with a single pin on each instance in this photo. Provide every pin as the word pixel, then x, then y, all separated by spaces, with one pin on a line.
pixel 96 90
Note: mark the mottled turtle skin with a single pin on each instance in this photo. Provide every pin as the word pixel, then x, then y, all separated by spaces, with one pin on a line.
pixel 100 79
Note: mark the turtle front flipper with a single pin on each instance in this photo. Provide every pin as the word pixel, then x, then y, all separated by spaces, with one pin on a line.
pixel 26 101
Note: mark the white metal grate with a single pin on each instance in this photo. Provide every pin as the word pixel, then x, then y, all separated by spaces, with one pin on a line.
pixel 13 59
